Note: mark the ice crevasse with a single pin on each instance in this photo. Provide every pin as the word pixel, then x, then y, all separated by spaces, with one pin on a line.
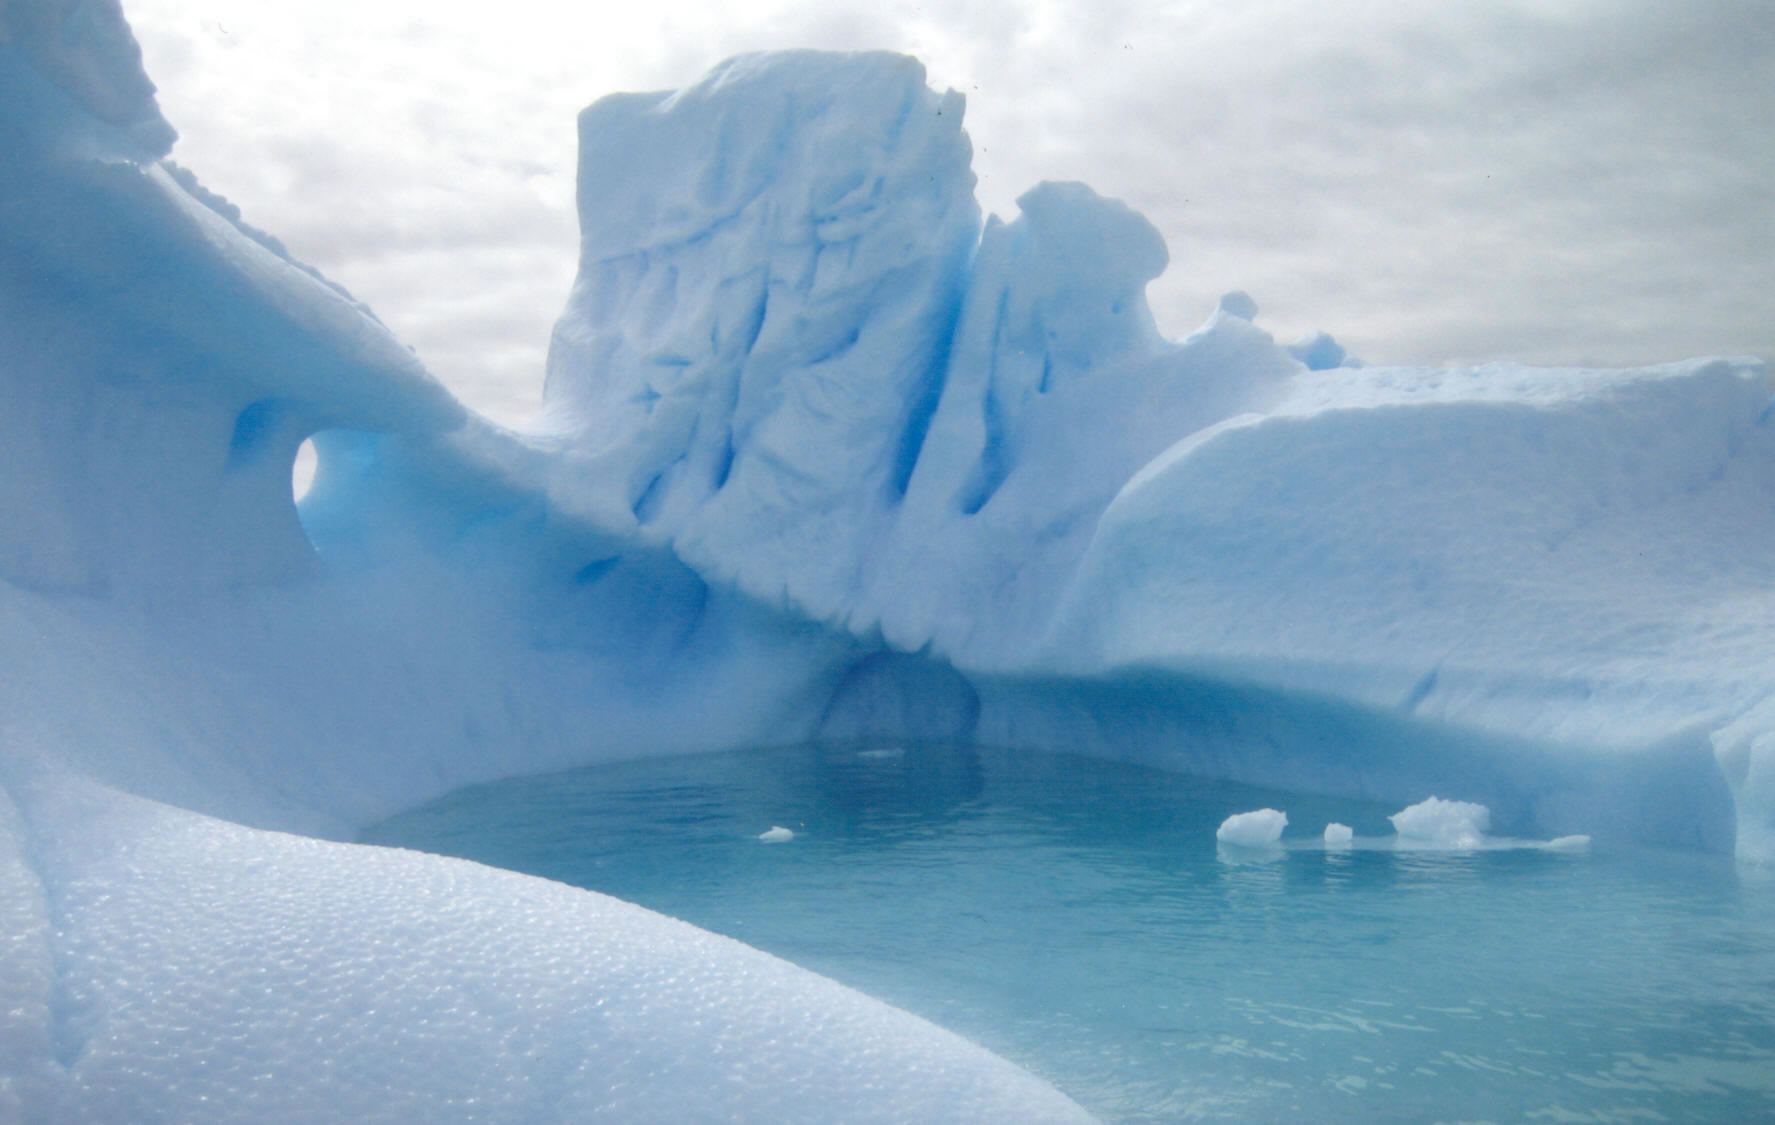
pixel 822 456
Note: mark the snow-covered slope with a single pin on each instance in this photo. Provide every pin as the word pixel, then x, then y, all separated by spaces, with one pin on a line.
pixel 822 457
pixel 164 966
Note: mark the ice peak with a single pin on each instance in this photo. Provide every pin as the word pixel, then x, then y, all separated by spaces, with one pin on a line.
pixel 79 68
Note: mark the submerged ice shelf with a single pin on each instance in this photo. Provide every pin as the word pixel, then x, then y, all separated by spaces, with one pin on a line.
pixel 823 455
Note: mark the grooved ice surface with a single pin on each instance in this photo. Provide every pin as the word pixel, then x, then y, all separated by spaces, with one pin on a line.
pixel 787 358
pixel 770 263
pixel 822 454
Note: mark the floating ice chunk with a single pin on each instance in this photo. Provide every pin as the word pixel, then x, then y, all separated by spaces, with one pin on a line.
pixel 1444 824
pixel 1338 835
pixel 1568 844
pixel 777 835
pixel 893 754
pixel 1260 829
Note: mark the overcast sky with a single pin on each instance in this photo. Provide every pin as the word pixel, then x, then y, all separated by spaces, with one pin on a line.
pixel 1570 181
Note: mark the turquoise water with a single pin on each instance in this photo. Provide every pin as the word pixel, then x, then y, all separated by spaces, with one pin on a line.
pixel 1076 916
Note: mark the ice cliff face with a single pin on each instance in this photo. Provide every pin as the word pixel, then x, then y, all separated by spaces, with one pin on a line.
pixel 793 357
pixel 765 299
pixel 822 456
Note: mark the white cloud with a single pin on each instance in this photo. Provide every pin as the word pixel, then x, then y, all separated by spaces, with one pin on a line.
pixel 1429 181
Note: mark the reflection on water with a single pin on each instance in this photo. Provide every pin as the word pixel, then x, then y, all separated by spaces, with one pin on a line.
pixel 1075 916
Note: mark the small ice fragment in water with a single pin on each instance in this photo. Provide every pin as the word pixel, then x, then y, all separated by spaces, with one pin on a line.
pixel 880 755
pixel 1442 824
pixel 1338 835
pixel 776 835
pixel 1260 829
pixel 1567 844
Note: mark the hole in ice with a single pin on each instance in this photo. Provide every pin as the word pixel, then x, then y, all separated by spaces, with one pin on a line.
pixel 302 472
pixel 1076 916
pixel 256 431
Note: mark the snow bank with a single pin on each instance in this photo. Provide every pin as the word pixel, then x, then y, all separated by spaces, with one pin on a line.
pixel 205 972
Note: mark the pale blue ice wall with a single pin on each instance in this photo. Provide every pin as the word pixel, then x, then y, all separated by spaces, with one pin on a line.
pixel 792 355
pixel 160 368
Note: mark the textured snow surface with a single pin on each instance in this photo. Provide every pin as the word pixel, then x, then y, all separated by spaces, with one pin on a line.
pixel 208 972
pixel 824 456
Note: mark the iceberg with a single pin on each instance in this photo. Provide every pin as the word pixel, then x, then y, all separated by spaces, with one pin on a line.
pixel 823 455
pixel 1261 828
pixel 1434 822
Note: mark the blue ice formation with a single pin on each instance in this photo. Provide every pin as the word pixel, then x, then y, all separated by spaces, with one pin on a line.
pixel 1455 824
pixel 1261 828
pixel 822 456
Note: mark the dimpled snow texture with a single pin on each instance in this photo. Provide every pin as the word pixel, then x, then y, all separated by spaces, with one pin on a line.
pixel 212 973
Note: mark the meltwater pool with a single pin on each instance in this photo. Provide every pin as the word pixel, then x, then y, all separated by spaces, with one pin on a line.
pixel 1077 917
